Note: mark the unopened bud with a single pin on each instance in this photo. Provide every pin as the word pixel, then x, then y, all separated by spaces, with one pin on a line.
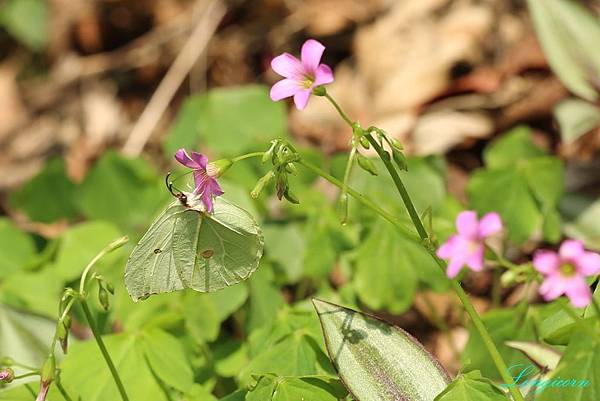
pixel 400 159
pixel 365 142
pixel 218 168
pixel 260 185
pixel 62 333
pixel 289 195
pixel 103 297
pixel 367 164
pixel 343 208
pixel 269 153
pixel 395 143
pixel 320 91
pixel 7 375
pixel 291 168
pixel 281 186
pixel 509 278
pixel 49 369
pixel 110 288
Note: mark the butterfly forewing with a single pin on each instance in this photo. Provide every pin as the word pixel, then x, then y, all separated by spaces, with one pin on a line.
pixel 218 250
pixel 151 267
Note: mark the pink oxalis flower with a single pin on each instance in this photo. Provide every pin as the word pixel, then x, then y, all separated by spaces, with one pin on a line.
pixel 468 246
pixel 207 186
pixel 565 272
pixel 301 76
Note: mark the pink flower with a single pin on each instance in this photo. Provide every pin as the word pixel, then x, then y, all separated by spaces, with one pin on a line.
pixel 207 186
pixel 565 272
pixel 467 247
pixel 301 76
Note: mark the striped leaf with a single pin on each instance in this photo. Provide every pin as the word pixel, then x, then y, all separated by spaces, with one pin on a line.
pixel 378 361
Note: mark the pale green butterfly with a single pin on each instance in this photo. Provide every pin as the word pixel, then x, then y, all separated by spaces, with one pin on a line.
pixel 185 247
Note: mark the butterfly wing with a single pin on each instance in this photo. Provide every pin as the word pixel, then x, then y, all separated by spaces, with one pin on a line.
pixel 151 267
pixel 218 250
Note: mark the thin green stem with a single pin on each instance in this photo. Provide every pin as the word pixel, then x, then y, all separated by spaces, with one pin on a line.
pixel 63 391
pixel 462 295
pixel 109 248
pixel 247 156
pixel 31 391
pixel 339 110
pixel 103 350
pixel 359 197
pixel 29 374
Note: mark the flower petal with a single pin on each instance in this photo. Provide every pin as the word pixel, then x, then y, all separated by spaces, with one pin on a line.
pixel 323 75
pixel 552 287
pixel 571 249
pixel 312 51
pixel 588 264
pixel 490 224
pixel 466 224
pixel 578 292
pixel 455 266
pixel 301 98
pixel 546 262
pixel 284 88
pixel 182 157
pixel 200 159
pixel 287 66
pixel 448 248
pixel 475 259
pixel 207 199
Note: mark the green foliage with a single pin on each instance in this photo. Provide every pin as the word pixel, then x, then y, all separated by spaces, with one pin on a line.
pixel 27 21
pixel 139 358
pixel 16 247
pixel 522 184
pixel 585 227
pixel 314 388
pixel 569 35
pixel 377 361
pixel 575 118
pixel 228 120
pixel 49 196
pixel 472 386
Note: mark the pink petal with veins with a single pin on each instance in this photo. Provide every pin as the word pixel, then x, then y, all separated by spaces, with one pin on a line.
pixel 288 66
pixel 311 54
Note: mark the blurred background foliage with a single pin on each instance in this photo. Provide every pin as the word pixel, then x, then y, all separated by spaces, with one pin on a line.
pixel 496 106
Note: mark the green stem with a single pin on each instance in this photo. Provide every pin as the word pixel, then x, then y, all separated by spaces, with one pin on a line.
pixel 31 391
pixel 36 373
pixel 339 110
pixel 359 197
pixel 462 295
pixel 103 350
pixel 109 248
pixel 247 156
pixel 63 391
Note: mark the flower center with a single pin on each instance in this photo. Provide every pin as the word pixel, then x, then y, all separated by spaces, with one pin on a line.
pixel 307 81
pixel 567 269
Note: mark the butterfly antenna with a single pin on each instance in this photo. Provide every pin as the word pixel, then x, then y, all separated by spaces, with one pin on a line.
pixel 169 184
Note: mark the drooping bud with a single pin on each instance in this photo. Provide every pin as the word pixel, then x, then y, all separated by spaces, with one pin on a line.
pixel 7 375
pixel 400 159
pixel 282 185
pixel 269 153
pixel 62 331
pixel 367 164
pixel 319 91
pixel 365 142
pixel 103 297
pixel 260 185
pixel 343 208
pixel 289 195
pixel 218 168
pixel 110 288
pixel 291 168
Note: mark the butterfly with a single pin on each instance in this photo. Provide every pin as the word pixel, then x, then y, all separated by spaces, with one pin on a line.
pixel 187 247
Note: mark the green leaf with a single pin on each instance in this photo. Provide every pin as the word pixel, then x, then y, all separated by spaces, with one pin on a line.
pixel 138 357
pixel 575 118
pixel 199 393
pixel 124 191
pixel 16 248
pixel 503 325
pixel 530 182
pixel 49 196
pixel 80 243
pixel 207 118
pixel 265 298
pixel 283 241
pixel 204 313
pixel 581 361
pixel 27 21
pixel 35 291
pixel 185 248
pixel 472 386
pixel 569 35
pixel 377 361
pixel 230 356
pixel 25 337
pixel 585 226
pixel 239 395
pixel 542 355
pixel 282 388
pixel 512 147
pixel 393 283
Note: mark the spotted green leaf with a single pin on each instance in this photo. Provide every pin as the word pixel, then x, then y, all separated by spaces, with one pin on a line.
pixel 378 361
pixel 187 248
